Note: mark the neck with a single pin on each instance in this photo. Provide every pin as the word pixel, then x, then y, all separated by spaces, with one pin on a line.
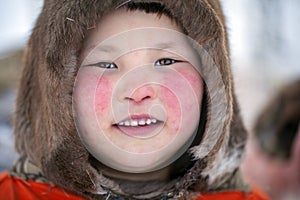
pixel 162 175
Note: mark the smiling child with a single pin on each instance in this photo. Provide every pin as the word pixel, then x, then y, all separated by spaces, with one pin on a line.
pixel 128 100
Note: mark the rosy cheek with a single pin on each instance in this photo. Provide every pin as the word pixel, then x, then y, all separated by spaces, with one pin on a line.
pixel 103 95
pixel 168 97
pixel 178 95
pixel 193 77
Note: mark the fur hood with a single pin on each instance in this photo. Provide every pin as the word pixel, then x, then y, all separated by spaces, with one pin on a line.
pixel 44 126
pixel 276 126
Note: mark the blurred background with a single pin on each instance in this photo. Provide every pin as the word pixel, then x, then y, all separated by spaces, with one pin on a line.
pixel 264 42
pixel 265 50
pixel 17 18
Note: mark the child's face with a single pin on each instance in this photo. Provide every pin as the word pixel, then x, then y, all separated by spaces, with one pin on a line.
pixel 137 96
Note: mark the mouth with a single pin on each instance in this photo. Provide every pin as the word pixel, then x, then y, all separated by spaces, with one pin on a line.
pixel 139 126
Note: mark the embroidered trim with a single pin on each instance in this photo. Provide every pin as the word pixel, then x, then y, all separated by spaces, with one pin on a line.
pixel 26 170
pixel 110 196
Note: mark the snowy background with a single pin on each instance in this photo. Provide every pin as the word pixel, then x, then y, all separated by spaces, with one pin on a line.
pixel 264 39
pixel 17 18
pixel 265 49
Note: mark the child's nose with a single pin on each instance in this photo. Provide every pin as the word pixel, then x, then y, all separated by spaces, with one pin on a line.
pixel 141 94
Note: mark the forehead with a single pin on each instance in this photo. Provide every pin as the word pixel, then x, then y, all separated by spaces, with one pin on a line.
pixel 121 20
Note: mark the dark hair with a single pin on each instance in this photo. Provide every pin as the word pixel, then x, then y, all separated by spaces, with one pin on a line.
pixel 154 8
pixel 150 7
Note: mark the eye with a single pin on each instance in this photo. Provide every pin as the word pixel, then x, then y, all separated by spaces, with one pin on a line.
pixel 105 65
pixel 166 61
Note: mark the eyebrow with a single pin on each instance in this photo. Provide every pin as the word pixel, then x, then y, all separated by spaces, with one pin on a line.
pixel 105 48
pixel 111 48
pixel 165 45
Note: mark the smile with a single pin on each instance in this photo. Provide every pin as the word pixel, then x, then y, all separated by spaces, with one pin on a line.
pixel 140 122
pixel 140 126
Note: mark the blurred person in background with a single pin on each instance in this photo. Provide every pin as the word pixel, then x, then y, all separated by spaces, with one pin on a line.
pixel 273 160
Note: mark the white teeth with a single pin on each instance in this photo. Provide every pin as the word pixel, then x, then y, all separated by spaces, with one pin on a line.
pixel 134 123
pixel 127 123
pixel 141 122
pixel 148 122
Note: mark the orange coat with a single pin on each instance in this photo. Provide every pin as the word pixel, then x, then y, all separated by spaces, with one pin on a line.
pixel 12 188
pixel 255 194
